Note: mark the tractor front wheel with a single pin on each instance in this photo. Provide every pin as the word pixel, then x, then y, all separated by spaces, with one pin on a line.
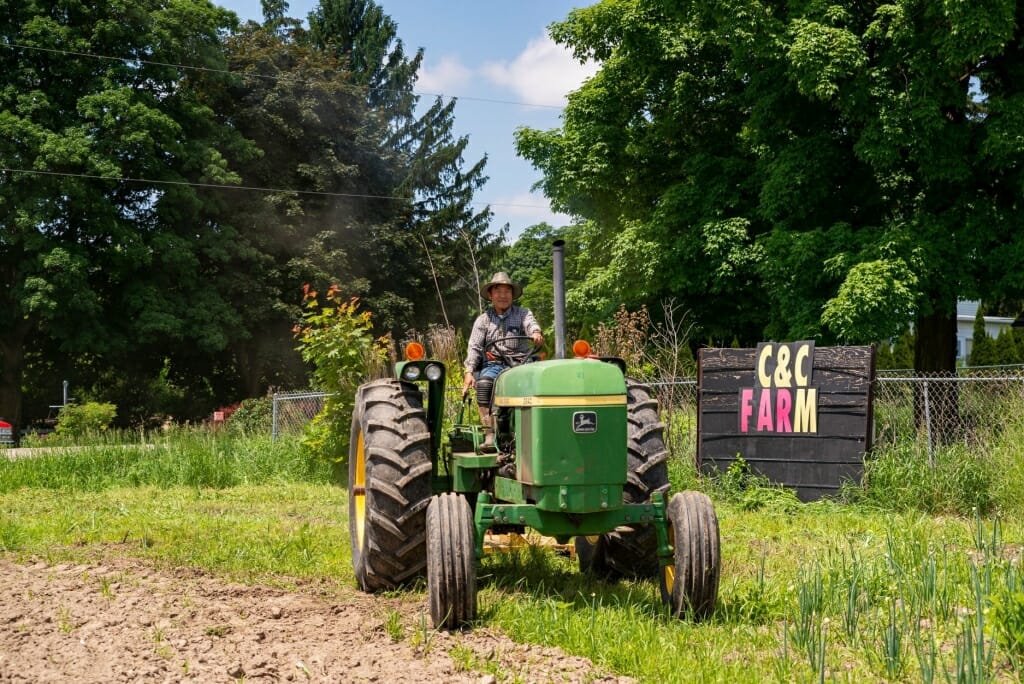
pixel 451 561
pixel 388 484
pixel 690 585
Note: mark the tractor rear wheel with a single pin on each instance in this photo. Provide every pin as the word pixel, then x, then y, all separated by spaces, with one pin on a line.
pixel 590 554
pixel 690 585
pixel 632 550
pixel 451 561
pixel 389 484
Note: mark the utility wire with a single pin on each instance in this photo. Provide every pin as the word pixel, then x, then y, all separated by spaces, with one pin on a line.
pixel 353 88
pixel 224 186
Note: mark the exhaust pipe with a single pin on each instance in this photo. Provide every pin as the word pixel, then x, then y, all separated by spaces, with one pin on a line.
pixel 558 262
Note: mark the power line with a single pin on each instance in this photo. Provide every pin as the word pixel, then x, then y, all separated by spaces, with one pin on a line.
pixel 221 186
pixel 360 89
pixel 254 188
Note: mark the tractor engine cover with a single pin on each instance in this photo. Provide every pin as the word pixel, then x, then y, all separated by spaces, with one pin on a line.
pixel 569 420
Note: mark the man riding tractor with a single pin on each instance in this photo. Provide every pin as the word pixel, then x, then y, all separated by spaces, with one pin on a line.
pixel 500 338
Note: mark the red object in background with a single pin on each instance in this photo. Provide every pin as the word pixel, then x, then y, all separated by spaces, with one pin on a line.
pixel 6 433
pixel 224 412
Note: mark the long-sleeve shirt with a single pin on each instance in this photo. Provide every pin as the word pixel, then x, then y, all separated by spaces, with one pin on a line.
pixel 489 326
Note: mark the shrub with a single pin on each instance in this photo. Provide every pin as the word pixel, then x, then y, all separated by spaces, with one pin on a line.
pixel 751 491
pixel 335 337
pixel 78 420
pixel 252 417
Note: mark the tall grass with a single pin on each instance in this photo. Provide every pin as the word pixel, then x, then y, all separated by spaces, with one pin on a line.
pixel 985 473
pixel 184 458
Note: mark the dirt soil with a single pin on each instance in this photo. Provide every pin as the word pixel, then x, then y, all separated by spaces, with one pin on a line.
pixel 121 620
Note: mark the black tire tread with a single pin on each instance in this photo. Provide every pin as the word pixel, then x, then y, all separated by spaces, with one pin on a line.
pixel 390 414
pixel 697 554
pixel 451 561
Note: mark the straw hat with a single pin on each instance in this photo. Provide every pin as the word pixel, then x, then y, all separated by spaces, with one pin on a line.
pixel 501 278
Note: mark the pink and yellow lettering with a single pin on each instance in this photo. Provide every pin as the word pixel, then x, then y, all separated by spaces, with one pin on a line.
pixel 786 403
pixel 746 410
pixel 764 411
pixel 783 403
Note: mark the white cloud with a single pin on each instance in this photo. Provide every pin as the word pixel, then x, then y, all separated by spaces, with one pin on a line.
pixel 445 77
pixel 543 73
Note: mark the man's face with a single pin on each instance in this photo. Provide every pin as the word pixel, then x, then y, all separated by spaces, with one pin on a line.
pixel 501 297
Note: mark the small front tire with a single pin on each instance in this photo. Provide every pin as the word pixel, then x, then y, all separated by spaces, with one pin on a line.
pixel 690 585
pixel 451 561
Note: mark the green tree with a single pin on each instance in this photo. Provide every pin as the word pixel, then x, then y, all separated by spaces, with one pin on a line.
pixel 983 348
pixel 1006 352
pixel 327 151
pixel 797 169
pixel 903 350
pixel 452 241
pixel 88 262
pixel 529 263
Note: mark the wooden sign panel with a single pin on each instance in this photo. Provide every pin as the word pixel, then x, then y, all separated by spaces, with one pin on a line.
pixel 799 415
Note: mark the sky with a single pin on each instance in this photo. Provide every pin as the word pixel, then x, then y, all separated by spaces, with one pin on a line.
pixel 498 60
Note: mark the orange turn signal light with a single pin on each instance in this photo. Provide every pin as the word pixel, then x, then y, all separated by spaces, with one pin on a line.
pixel 414 351
pixel 581 349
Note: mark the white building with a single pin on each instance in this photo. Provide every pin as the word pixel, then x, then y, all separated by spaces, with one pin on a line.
pixel 965 314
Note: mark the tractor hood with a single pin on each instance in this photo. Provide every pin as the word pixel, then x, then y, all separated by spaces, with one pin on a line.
pixel 559 378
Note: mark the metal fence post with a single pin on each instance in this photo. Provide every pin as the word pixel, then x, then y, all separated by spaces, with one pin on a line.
pixel 273 420
pixel 928 425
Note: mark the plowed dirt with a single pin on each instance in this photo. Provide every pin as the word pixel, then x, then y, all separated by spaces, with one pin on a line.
pixel 121 620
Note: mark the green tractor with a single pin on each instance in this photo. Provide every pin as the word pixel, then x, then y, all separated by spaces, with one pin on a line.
pixel 580 456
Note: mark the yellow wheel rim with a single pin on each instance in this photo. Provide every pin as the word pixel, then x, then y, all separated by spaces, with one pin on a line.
pixel 668 572
pixel 593 538
pixel 359 489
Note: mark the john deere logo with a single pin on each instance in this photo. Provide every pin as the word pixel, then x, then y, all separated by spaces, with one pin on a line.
pixel 584 422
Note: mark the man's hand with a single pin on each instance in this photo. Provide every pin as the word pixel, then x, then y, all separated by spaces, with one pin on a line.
pixel 538 339
pixel 468 381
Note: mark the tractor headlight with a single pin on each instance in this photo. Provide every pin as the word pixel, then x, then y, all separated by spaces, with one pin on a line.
pixel 434 371
pixel 411 372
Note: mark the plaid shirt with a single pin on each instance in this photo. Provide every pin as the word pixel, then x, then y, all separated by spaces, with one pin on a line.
pixel 489 326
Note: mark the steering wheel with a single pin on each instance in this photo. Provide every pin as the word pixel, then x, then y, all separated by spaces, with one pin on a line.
pixel 510 351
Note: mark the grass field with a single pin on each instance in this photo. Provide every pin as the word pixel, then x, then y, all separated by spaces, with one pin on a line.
pixel 846 592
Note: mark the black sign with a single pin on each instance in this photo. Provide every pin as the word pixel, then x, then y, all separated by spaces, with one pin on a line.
pixel 797 414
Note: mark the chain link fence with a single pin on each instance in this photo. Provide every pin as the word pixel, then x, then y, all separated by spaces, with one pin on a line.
pixel 292 410
pixel 930 410
pixel 925 410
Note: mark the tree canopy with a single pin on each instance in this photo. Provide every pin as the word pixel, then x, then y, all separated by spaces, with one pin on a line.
pixel 171 178
pixel 794 169
pixel 90 263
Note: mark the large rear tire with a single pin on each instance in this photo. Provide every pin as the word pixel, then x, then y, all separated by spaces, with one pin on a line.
pixel 632 550
pixel 388 484
pixel 451 561
pixel 690 585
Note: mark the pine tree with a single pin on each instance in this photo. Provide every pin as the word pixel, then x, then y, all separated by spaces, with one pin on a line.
pixel 982 346
pixel 453 239
pixel 903 350
pixel 883 356
pixel 1006 352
